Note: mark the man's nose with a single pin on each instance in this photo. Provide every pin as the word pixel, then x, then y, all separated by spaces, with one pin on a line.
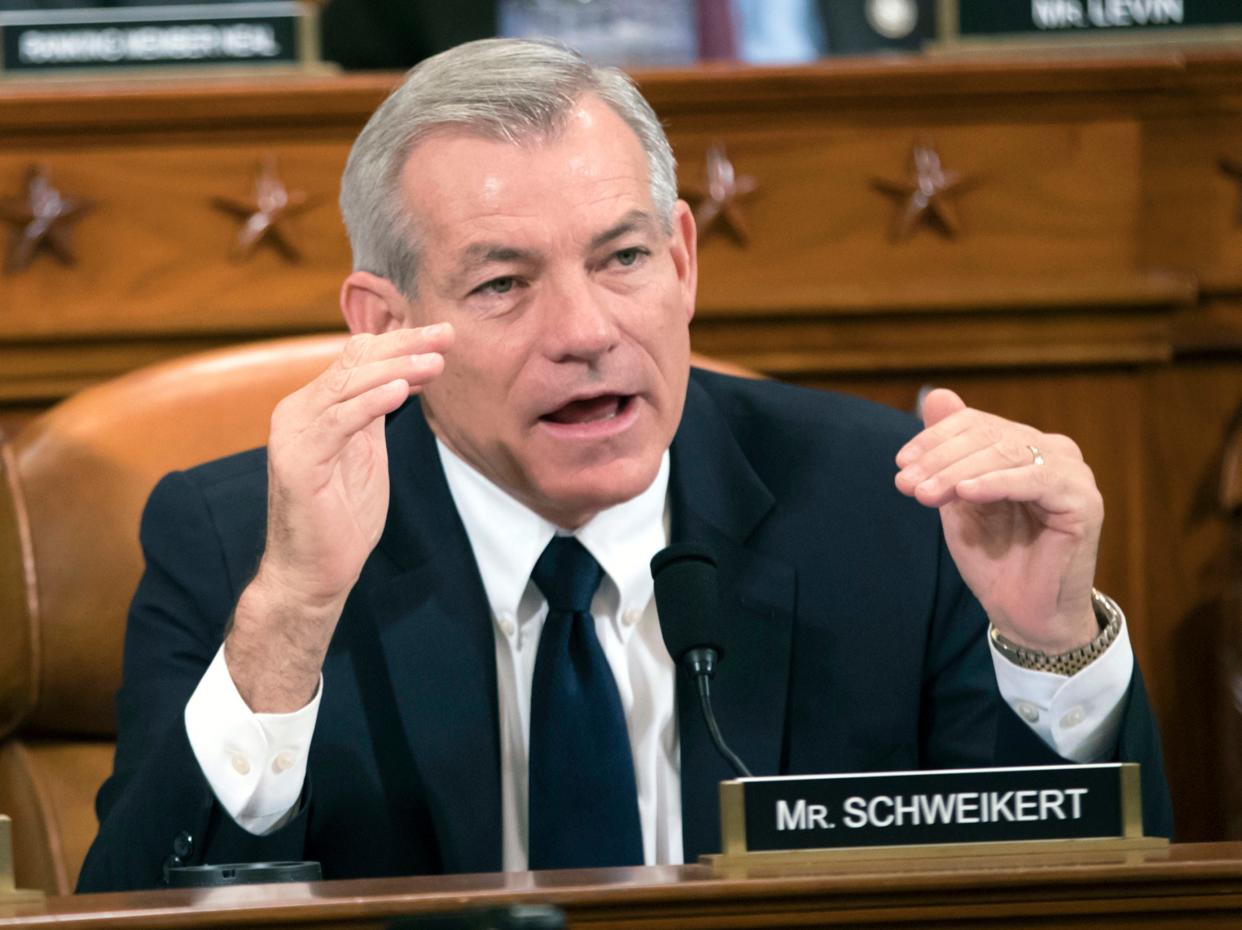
pixel 578 319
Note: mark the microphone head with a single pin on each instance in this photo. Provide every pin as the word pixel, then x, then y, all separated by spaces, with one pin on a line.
pixel 687 598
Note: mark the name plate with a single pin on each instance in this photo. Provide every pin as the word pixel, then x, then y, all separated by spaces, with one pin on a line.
pixel 934 808
pixel 1096 21
pixel 211 34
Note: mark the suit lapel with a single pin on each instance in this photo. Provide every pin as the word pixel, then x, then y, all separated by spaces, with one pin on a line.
pixel 434 626
pixel 718 500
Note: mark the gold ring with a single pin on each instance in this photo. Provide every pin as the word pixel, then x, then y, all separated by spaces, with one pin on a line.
pixel 1036 456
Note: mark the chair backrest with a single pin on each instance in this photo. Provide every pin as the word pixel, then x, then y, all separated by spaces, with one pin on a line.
pixel 72 488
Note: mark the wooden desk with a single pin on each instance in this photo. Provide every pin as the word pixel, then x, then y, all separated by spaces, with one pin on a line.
pixel 1185 886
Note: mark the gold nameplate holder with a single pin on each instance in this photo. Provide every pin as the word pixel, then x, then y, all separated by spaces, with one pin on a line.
pixel 932 815
pixel 9 892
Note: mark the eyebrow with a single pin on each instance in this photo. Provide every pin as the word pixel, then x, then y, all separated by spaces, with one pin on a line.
pixel 634 220
pixel 481 254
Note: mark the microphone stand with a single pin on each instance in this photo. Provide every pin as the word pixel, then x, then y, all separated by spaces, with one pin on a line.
pixel 700 662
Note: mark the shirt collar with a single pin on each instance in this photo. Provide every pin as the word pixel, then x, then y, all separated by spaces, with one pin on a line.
pixel 508 537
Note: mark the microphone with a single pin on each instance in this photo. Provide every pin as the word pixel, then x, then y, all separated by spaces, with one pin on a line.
pixel 686 598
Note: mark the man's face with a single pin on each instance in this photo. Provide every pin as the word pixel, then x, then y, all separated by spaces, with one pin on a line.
pixel 571 307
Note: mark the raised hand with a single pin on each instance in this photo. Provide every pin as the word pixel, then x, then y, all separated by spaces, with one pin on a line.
pixel 327 503
pixel 1021 516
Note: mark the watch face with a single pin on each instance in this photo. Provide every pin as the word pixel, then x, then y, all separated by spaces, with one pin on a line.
pixel 893 19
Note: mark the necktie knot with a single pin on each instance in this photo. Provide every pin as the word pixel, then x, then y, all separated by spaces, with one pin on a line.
pixel 567 575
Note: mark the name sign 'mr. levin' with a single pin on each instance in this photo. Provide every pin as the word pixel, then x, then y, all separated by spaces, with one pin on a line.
pixel 930 808
pixel 1097 21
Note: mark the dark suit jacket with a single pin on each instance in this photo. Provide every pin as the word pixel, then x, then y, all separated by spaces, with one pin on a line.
pixel 851 644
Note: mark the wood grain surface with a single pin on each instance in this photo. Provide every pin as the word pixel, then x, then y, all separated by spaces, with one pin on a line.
pixel 1184 886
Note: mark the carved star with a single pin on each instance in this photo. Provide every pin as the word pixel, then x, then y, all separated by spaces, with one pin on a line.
pixel 266 215
pixel 928 196
pixel 1234 170
pixel 42 219
pixel 716 199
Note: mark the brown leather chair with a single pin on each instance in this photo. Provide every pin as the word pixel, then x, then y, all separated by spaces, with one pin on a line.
pixel 72 486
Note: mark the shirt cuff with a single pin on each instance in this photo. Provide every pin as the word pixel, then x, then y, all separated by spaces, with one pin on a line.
pixel 1077 716
pixel 254 763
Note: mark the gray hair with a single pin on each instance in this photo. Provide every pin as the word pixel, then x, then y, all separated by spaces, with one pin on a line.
pixel 510 90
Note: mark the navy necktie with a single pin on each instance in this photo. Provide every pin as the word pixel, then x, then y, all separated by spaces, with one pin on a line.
pixel 583 800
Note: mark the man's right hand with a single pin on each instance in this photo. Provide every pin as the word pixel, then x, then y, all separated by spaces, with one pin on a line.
pixel 327 503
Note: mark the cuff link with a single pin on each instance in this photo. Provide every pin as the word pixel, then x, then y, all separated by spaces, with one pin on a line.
pixel 182 849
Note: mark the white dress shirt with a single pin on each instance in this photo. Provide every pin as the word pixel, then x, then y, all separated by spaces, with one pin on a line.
pixel 256 763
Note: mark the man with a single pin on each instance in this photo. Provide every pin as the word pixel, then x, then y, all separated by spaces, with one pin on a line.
pixel 386 578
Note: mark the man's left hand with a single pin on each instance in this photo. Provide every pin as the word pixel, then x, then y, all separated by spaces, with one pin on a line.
pixel 1021 515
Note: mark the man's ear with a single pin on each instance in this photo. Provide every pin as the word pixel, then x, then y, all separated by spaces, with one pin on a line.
pixel 685 254
pixel 371 304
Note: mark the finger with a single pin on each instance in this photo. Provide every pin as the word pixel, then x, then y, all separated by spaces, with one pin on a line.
pixel 1061 445
pixel 339 384
pixel 1014 443
pixel 293 453
pixel 939 404
pixel 953 424
pixel 1068 488
pixel 943 487
pixel 348 414
pixel 933 477
pixel 988 427
pixel 362 348
pixel 308 420
pixel 340 422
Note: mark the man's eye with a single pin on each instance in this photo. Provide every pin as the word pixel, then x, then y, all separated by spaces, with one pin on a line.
pixel 627 257
pixel 497 286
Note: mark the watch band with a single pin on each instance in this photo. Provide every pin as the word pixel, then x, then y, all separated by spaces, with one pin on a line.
pixel 1107 614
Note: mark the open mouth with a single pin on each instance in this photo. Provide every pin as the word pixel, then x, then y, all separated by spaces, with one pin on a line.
pixel 590 410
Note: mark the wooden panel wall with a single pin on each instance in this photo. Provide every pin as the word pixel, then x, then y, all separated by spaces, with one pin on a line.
pixel 1094 285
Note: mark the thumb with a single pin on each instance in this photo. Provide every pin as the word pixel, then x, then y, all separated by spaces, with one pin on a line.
pixel 939 404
